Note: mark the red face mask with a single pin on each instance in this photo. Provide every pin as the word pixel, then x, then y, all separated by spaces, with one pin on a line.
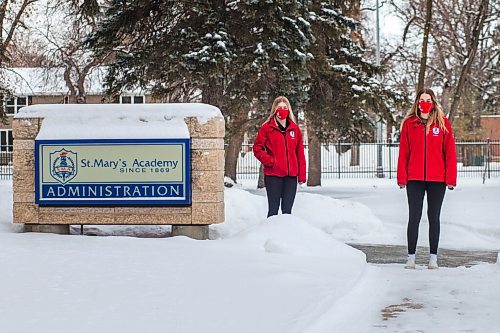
pixel 425 107
pixel 282 113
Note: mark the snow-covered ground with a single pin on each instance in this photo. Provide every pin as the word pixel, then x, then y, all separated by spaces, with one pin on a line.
pixel 444 300
pixel 375 211
pixel 286 274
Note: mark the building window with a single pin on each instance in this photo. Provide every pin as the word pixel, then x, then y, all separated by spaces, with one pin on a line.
pixel 14 104
pixel 130 99
pixel 6 140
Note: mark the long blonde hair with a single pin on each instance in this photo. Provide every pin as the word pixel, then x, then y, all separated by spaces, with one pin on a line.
pixel 278 100
pixel 435 116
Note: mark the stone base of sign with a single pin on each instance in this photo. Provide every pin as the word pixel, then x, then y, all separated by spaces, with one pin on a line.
pixel 192 231
pixel 45 228
pixel 207 188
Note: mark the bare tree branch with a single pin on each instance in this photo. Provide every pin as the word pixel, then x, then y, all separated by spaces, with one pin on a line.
pixel 478 25
pixel 423 61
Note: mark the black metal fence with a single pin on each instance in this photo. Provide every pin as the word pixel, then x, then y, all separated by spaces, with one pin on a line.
pixel 371 160
pixel 347 160
pixel 6 162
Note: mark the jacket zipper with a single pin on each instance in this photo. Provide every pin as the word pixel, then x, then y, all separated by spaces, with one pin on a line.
pixel 425 151
pixel 286 150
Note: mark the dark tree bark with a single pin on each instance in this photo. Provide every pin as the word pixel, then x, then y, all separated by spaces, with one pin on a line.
pixel 355 154
pixel 471 53
pixel 261 183
pixel 212 93
pixel 233 149
pixel 3 115
pixel 314 152
pixel 423 60
pixel 235 138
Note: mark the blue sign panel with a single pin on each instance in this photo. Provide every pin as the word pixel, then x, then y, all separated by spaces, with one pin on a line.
pixel 113 172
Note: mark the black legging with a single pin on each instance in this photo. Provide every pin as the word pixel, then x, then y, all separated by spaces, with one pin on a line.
pixel 280 189
pixel 435 194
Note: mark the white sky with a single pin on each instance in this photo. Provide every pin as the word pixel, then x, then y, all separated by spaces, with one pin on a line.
pixel 391 27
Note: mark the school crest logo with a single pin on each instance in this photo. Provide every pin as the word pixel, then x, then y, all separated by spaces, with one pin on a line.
pixel 292 134
pixel 63 165
pixel 435 131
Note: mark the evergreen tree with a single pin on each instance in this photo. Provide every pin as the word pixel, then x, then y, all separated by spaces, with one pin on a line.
pixel 344 93
pixel 343 96
pixel 272 52
pixel 239 54
pixel 207 44
pixel 242 54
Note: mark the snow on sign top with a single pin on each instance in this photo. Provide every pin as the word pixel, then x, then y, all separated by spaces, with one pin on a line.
pixel 117 121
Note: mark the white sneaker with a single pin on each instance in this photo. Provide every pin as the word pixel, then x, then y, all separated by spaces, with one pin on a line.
pixel 433 264
pixel 410 264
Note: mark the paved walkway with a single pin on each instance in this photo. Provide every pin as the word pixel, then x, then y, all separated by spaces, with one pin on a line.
pixel 394 254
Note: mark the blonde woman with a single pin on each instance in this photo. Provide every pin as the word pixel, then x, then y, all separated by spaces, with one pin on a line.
pixel 427 163
pixel 280 149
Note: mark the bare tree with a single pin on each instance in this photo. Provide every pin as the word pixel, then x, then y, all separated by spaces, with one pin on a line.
pixel 27 51
pixel 11 20
pixel 462 60
pixel 480 17
pixel 65 48
pixel 423 60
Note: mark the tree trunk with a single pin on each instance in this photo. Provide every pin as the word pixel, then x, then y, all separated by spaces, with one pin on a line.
pixel 476 32
pixel 212 93
pixel 355 154
pixel 238 127
pixel 467 156
pixel 261 183
pixel 233 150
pixel 314 152
pixel 445 99
pixel 3 115
pixel 423 60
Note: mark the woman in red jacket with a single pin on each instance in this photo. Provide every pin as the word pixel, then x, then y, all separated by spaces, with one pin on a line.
pixel 427 163
pixel 280 149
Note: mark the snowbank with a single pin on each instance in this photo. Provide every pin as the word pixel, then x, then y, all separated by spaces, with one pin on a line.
pixel 344 220
pixel 288 234
pixel 5 205
pixel 6 208
pixel 243 210
pixel 291 236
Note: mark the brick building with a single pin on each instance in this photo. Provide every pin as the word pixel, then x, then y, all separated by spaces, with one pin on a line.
pixel 47 86
pixel 490 126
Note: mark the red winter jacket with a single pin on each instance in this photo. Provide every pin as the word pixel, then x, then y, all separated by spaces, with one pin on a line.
pixel 430 157
pixel 281 153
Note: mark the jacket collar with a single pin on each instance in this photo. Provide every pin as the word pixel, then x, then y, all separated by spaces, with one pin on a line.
pixel 415 119
pixel 291 126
